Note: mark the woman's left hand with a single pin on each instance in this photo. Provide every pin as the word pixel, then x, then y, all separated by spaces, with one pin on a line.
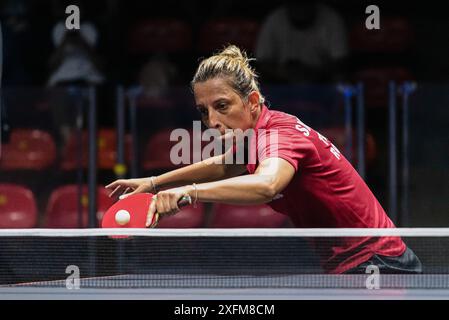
pixel 165 203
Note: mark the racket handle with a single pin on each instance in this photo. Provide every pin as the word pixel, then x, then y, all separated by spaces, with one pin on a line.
pixel 185 201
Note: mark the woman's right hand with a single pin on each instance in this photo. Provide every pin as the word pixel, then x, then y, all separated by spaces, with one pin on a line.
pixel 126 187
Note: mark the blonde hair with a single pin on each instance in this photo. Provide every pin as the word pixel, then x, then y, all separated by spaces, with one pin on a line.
pixel 232 64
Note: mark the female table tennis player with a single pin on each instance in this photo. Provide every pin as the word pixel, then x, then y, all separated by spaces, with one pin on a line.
pixel 306 177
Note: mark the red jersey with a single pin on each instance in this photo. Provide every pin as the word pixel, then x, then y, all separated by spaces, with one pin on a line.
pixel 325 192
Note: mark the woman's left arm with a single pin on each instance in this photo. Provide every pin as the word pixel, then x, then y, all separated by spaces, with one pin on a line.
pixel 270 178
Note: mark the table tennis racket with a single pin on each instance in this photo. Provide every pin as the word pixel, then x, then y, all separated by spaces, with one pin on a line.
pixel 136 207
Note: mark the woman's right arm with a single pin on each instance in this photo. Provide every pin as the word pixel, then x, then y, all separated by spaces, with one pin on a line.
pixel 208 170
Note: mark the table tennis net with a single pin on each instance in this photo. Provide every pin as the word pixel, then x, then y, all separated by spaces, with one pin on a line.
pixel 216 258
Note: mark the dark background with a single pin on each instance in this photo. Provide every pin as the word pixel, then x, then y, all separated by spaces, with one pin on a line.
pixel 418 52
pixel 425 57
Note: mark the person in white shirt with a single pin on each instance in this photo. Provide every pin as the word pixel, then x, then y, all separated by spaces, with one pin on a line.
pixel 74 59
pixel 301 41
pixel 74 63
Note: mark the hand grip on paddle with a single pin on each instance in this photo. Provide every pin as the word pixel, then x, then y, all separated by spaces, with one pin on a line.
pixel 136 207
pixel 154 219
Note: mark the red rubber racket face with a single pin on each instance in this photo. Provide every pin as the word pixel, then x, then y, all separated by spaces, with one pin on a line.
pixel 137 205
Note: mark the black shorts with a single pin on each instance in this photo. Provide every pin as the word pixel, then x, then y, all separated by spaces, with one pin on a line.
pixel 407 263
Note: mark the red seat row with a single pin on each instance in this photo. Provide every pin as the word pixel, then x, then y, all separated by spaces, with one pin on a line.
pixel 28 149
pixel 18 209
pixel 106 148
pixel 172 35
pixel 35 150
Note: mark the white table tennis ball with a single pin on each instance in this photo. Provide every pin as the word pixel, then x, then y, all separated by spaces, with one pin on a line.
pixel 122 217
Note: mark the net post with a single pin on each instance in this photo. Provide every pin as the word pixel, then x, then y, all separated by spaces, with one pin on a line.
pixel 92 186
pixel 360 130
pixel 78 94
pixel 392 153
pixel 79 159
pixel 347 92
pixel 92 177
pixel 132 96
pixel 407 89
pixel 120 110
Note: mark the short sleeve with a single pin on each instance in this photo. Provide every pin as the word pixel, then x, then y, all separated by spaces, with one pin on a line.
pixel 283 140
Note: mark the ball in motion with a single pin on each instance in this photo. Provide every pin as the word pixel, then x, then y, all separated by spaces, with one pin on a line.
pixel 122 217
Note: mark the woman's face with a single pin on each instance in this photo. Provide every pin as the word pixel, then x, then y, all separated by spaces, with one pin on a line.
pixel 222 108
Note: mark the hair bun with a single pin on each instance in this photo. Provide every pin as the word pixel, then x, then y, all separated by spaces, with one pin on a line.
pixel 232 63
pixel 234 52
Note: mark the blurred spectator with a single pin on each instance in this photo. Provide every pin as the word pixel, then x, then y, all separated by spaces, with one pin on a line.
pixel 74 62
pixel 74 59
pixel 302 41
pixel 156 75
pixel 157 80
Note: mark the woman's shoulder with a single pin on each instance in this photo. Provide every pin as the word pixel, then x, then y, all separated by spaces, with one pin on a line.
pixel 278 117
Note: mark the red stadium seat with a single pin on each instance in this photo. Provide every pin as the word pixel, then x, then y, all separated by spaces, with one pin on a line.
pixel 395 35
pixel 259 216
pixel 107 150
pixel 376 82
pixel 158 149
pixel 160 35
pixel 28 149
pixel 188 217
pixel 337 135
pixel 216 34
pixel 18 207
pixel 62 208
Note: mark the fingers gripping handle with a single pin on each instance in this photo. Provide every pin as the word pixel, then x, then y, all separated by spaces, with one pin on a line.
pixel 184 201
